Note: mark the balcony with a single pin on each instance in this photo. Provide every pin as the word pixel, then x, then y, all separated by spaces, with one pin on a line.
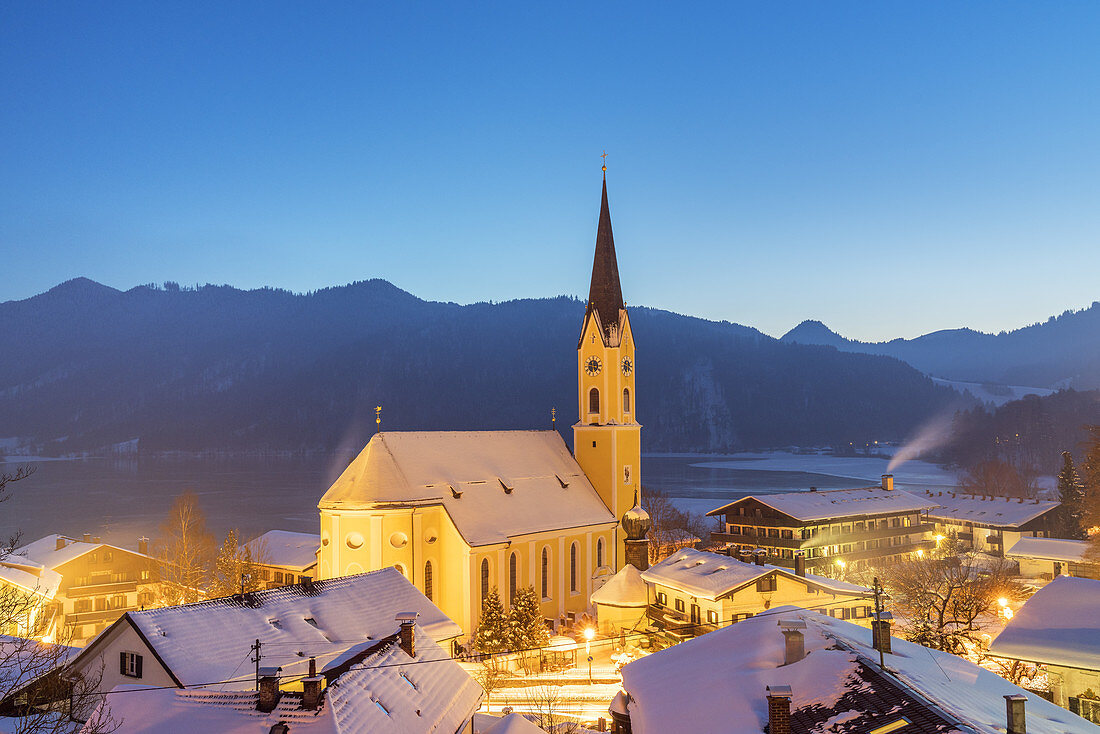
pixel 676 623
pixel 103 615
pixel 893 550
pixel 755 540
pixel 108 589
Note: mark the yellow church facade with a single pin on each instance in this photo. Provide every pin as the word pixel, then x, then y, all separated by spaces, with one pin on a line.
pixel 462 512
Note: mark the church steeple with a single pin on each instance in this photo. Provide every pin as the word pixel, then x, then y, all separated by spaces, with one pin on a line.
pixel 605 295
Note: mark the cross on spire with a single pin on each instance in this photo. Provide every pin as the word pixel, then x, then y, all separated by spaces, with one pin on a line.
pixel 604 156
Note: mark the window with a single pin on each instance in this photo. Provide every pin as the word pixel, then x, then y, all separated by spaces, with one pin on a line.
pixel 101 603
pixel 129 664
pixel 145 575
pixel 593 401
pixel 108 556
pixel 788 534
pixel 117 602
pixel 599 552
pixel 145 598
pixel 512 561
pixel 766 584
pixel 662 599
pixel 484 578
pixel 712 616
pixel 679 605
pixel 428 580
pixel 626 474
pixel 626 400
pixel 92 558
pixel 739 617
pixel 278 577
pixel 573 568
pixel 545 573
pixel 82 605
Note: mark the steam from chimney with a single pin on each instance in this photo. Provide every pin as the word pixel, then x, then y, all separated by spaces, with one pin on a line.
pixel 930 436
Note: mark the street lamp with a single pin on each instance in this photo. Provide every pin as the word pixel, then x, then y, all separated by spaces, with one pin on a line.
pixel 589 634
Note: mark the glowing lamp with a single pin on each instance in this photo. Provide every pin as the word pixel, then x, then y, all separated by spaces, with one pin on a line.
pixel 1003 602
pixel 1007 612
pixel 920 552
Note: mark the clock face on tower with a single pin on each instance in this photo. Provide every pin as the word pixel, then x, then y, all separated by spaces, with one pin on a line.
pixel 628 366
pixel 593 365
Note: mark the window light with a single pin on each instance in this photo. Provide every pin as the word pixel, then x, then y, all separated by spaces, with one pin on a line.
pixel 892 726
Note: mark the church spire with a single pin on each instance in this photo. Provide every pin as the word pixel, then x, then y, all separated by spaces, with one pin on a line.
pixel 605 295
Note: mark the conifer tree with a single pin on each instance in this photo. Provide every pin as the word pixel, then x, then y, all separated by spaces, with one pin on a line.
pixel 526 625
pixel 1071 493
pixel 235 569
pixel 492 631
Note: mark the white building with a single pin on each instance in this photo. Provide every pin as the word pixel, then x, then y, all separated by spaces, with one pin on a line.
pixel 1052 557
pixel 1059 627
pixel 990 524
pixel 284 557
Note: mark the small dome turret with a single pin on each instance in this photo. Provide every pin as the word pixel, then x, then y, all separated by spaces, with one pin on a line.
pixel 636 522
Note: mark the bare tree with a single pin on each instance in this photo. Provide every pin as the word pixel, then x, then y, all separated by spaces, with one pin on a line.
pixel 547 702
pixel 491 674
pixel 1001 479
pixel 185 554
pixel 672 528
pixel 6 478
pixel 943 603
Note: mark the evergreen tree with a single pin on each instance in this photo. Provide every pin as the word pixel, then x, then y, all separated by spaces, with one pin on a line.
pixel 235 570
pixel 1071 493
pixel 526 625
pixel 492 630
pixel 1090 471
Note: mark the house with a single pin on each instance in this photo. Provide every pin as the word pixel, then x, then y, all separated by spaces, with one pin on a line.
pixel 284 557
pixel 96 582
pixel 404 682
pixel 835 528
pixel 795 671
pixel 29 589
pixel 692 592
pixel 990 524
pixel 1059 627
pixel 23 662
pixel 461 512
pixel 210 643
pixel 1052 557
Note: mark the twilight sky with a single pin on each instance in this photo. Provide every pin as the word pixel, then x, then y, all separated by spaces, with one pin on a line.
pixel 887 168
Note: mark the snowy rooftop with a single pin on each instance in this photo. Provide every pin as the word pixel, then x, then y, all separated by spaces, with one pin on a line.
pixel 45 550
pixel 1058 625
pixel 296 551
pixel 986 510
pixel 711 575
pixel 824 504
pixel 208 641
pixel 23 660
pixel 29 576
pixel 512 724
pixel 386 692
pixel 494 484
pixel 626 588
pixel 716 682
pixel 1052 549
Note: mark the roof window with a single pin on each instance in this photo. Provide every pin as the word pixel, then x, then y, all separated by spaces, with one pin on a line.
pixel 892 726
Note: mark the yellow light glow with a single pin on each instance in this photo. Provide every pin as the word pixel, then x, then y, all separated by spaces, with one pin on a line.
pixel 1007 612
pixel 842 564
pixel 938 539
pixel 589 633
pixel 920 552
pixel 1003 602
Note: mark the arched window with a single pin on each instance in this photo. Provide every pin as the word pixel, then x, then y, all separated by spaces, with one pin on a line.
pixel 428 579
pixel 512 577
pixel 545 572
pixel 573 567
pixel 626 399
pixel 484 579
pixel 599 552
pixel 593 401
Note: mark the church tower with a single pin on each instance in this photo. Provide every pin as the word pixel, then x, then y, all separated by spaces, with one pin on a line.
pixel 607 437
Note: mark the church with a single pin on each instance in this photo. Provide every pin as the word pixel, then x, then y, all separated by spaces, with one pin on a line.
pixel 461 512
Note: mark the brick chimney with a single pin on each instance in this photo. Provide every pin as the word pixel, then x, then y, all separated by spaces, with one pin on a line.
pixel 880 633
pixel 143 545
pixel 888 482
pixel 87 537
pixel 269 690
pixel 60 543
pixel 800 564
pixel 408 637
pixel 779 709
pixel 745 555
pixel 311 692
pixel 760 555
pixel 1016 717
pixel 795 642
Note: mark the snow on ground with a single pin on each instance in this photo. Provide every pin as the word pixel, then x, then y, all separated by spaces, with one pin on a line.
pixel 989 393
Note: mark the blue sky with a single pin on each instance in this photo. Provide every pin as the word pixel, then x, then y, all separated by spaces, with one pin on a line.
pixel 887 168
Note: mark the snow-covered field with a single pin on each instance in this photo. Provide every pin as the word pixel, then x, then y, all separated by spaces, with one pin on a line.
pixel 995 394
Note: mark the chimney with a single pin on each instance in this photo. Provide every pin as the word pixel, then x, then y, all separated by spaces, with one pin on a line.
pixel 779 709
pixel 97 539
pixel 880 633
pixel 745 555
pixel 87 537
pixel 143 545
pixel 795 642
pixel 60 543
pixel 1016 717
pixel 311 692
pixel 760 554
pixel 888 482
pixel 800 564
pixel 269 690
pixel 408 638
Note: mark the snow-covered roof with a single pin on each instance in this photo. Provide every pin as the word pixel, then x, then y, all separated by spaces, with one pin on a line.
pixel 23 660
pixel 825 504
pixel 711 575
pixel 286 549
pixel 30 576
pixel 513 724
pixel 716 682
pixel 45 550
pixel 996 511
pixel 206 641
pixel 1052 549
pixel 1059 625
pixel 495 485
pixel 626 588
pixel 386 692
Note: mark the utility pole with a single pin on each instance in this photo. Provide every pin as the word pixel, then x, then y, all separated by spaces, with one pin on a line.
pixel 877 588
pixel 256 659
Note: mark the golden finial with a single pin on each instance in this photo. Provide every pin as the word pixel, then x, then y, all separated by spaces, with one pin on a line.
pixel 378 415
pixel 553 417
pixel 604 156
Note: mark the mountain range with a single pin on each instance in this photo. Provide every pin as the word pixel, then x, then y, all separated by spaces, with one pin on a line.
pixel 88 368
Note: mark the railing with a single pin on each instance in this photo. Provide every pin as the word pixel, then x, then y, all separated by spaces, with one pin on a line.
pixel 675 622
pixel 755 540
pixel 117 587
pixel 1086 708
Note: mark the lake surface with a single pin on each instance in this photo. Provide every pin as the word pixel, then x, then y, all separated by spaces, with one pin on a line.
pixel 124 499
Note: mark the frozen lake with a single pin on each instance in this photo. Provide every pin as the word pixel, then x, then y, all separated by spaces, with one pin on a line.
pixel 122 500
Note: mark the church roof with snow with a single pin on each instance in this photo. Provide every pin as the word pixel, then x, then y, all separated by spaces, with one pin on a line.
pixel 1059 625
pixel 494 485
pixel 716 682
